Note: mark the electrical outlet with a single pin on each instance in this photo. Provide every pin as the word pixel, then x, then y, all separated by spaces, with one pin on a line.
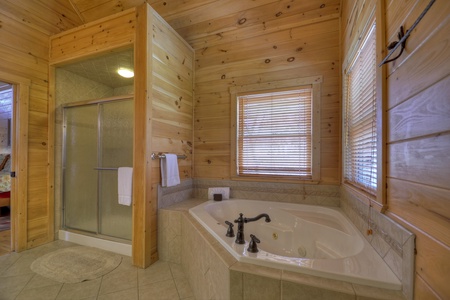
pixel 225 191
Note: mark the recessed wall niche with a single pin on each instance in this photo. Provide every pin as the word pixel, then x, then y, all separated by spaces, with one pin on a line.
pixel 82 81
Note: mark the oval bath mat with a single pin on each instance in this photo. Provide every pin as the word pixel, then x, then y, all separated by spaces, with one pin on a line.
pixel 76 264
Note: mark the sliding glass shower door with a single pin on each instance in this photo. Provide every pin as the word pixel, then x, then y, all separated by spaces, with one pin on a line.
pixel 98 138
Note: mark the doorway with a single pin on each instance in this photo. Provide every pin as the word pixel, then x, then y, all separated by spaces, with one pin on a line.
pixel 6 115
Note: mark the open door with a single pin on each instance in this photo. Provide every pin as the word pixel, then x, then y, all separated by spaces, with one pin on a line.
pixel 18 172
pixel 6 101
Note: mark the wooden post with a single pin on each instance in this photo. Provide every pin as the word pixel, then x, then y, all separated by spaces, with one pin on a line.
pixel 142 195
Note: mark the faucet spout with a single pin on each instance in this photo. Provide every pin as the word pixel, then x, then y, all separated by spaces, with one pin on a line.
pixel 240 239
pixel 247 220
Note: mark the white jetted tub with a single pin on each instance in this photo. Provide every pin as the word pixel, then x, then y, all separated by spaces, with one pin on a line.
pixel 308 239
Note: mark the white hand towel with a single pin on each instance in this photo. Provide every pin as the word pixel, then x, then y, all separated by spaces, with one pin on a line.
pixel 169 170
pixel 125 184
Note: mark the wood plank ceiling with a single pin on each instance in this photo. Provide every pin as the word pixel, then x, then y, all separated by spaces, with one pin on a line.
pixel 203 23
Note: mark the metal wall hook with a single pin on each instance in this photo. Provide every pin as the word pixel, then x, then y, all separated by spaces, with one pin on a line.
pixel 403 37
pixel 393 45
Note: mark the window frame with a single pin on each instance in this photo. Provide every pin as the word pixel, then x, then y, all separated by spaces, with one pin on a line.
pixel 313 82
pixel 374 15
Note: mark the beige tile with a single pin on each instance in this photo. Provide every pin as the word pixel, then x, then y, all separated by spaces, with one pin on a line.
pixel 183 287
pixel 44 293
pixel 15 281
pixel 224 255
pixel 368 292
pixel 394 261
pixel 318 282
pixel 174 250
pixel 218 279
pixel 177 270
pixel 379 244
pixel 257 270
pixel 236 285
pixel 40 281
pixel 408 267
pixel 130 294
pixel 175 221
pixel 159 271
pixel 261 288
pixel 7 261
pixel 118 282
pixel 10 294
pixel 125 266
pixel 20 267
pixel 294 291
pixel 80 290
pixel 164 290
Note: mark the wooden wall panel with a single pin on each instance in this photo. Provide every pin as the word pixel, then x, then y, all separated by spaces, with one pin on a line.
pixel 416 117
pixel 292 52
pixel 93 38
pixel 24 52
pixel 424 67
pixel 172 103
pixel 48 17
pixel 418 139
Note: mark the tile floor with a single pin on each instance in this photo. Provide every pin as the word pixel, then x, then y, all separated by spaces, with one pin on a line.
pixel 161 280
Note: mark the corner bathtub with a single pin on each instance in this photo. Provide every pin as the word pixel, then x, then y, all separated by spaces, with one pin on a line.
pixel 313 240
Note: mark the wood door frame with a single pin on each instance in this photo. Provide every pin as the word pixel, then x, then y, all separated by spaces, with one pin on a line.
pixel 19 160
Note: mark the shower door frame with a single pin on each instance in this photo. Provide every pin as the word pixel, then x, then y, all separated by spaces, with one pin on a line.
pixel 96 102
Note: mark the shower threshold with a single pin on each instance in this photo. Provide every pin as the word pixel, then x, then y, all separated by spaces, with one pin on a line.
pixel 123 247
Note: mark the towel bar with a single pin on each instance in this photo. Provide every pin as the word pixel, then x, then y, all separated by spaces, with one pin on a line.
pixel 161 155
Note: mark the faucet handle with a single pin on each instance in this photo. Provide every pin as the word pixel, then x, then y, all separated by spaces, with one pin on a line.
pixel 230 231
pixel 252 246
pixel 240 219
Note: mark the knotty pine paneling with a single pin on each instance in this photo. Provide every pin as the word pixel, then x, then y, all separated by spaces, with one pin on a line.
pixel 416 117
pixel 431 22
pixel 420 203
pixel 93 38
pixel 24 52
pixel 314 49
pixel 418 139
pixel 246 20
pixel 91 10
pixel 47 17
pixel 423 160
pixel 427 64
pixel 172 103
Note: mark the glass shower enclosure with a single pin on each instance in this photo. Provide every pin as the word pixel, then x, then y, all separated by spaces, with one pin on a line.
pixel 97 140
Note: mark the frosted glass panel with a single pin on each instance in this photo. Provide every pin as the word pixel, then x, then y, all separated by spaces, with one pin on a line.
pixel 116 151
pixel 98 140
pixel 80 178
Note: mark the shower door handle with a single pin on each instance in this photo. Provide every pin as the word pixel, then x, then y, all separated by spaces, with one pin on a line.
pixel 102 169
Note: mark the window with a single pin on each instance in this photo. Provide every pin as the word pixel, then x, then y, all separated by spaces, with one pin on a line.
pixel 275 132
pixel 360 119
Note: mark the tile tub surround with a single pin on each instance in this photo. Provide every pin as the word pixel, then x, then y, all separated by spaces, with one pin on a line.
pixel 313 194
pixel 393 243
pixel 168 196
pixel 214 273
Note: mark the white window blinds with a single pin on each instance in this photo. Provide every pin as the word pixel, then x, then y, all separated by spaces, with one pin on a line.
pixel 274 134
pixel 360 119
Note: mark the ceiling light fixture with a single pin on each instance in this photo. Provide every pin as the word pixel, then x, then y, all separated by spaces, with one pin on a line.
pixel 124 72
